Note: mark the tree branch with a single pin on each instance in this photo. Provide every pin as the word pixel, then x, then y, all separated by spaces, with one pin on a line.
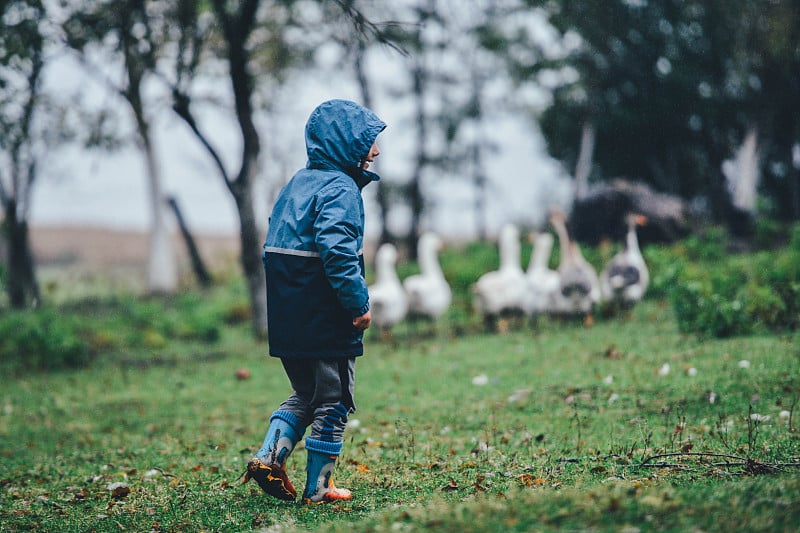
pixel 368 29
pixel 181 103
pixel 695 454
pixel 751 466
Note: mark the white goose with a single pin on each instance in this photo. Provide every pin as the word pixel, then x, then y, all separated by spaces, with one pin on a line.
pixel 428 292
pixel 543 282
pixel 624 280
pixel 579 286
pixel 388 301
pixel 502 291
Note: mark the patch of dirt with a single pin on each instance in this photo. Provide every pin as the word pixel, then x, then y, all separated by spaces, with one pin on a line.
pixel 84 260
pixel 98 248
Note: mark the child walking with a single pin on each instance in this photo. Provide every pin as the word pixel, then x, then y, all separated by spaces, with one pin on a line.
pixel 317 303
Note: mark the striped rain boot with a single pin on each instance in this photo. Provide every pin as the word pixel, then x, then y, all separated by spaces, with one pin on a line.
pixel 320 488
pixel 268 467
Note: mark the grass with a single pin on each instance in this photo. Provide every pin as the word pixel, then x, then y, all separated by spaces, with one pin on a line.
pixel 565 434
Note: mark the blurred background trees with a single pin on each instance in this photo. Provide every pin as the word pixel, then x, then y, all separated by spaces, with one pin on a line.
pixel 670 89
pixel 697 99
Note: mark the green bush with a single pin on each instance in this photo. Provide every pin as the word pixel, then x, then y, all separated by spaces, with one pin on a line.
pixel 123 326
pixel 723 296
pixel 42 339
pixel 705 306
pixel 151 322
pixel 707 247
pixel 665 266
pixel 197 320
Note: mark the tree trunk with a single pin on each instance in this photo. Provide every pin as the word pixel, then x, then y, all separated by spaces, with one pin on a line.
pixel 415 187
pixel 743 175
pixel 480 181
pixel 252 264
pixel 720 201
pixel 585 156
pixel 237 29
pixel 381 195
pixel 198 265
pixel 794 183
pixel 21 284
pixel 162 272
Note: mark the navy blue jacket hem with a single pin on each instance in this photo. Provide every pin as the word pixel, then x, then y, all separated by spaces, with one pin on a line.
pixel 337 354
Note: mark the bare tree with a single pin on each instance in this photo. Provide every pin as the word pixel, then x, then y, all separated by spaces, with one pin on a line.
pixel 22 63
pixel 237 23
pixel 129 23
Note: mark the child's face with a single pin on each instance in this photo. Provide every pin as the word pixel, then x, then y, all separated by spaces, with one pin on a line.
pixel 373 153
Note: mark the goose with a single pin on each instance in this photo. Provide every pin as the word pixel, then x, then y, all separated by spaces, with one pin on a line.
pixel 387 297
pixel 502 291
pixel 428 292
pixel 543 283
pixel 625 278
pixel 579 286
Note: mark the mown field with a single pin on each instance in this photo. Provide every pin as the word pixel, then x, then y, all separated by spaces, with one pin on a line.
pixel 623 424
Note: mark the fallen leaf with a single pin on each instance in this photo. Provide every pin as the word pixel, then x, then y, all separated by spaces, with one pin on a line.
pixel 528 480
pixel 450 486
pixel 120 493
pixel 613 353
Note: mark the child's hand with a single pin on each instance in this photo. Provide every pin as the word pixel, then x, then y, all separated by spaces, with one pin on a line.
pixel 362 322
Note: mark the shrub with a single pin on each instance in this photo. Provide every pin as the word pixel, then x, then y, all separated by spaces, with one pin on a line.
pixel 708 247
pixel 735 295
pixel 708 308
pixel 665 266
pixel 43 339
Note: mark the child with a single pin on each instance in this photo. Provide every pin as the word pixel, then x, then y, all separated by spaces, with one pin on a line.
pixel 317 303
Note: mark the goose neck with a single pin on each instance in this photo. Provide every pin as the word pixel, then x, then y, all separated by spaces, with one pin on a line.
pixel 541 254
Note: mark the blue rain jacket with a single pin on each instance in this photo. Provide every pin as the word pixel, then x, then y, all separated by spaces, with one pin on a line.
pixel 313 255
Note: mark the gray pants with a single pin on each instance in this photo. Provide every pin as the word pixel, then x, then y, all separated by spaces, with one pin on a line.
pixel 323 394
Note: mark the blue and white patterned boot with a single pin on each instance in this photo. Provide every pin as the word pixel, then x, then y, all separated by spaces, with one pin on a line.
pixel 320 488
pixel 268 467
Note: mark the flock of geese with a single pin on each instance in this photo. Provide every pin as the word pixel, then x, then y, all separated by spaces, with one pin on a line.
pixel 573 289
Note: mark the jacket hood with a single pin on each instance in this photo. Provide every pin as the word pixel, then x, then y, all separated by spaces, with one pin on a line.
pixel 339 135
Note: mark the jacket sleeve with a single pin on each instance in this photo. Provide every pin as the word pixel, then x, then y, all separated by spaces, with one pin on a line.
pixel 337 228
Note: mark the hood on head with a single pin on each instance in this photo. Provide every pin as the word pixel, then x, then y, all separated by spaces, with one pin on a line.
pixel 339 134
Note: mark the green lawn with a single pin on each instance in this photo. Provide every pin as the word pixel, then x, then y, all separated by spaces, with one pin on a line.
pixel 549 427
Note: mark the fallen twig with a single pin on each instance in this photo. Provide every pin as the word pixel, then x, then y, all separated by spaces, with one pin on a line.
pixel 740 460
pixel 750 465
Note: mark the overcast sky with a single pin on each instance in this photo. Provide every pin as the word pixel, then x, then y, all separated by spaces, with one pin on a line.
pixel 82 187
